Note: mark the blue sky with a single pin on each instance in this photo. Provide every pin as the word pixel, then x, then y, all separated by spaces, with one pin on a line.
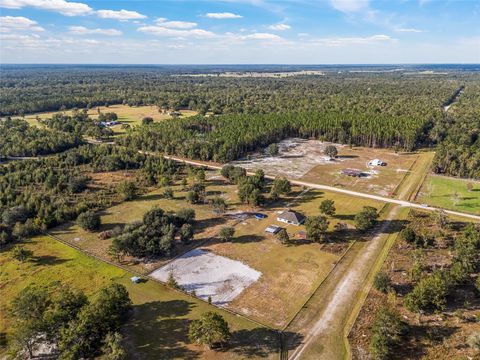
pixel 240 31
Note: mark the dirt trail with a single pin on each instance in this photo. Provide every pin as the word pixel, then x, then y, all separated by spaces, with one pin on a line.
pixel 330 188
pixel 321 322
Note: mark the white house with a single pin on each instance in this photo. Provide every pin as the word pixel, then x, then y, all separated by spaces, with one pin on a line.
pixel 291 217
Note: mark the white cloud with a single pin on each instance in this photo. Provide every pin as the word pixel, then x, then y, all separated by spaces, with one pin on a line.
pixel 261 36
pixel 349 6
pixel 164 31
pixel 375 39
pixel 61 6
pixel 223 15
pixel 120 15
pixel 411 30
pixel 81 30
pixel 279 27
pixel 18 23
pixel 175 24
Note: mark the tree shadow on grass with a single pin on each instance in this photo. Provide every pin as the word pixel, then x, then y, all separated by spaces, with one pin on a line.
pixel 261 342
pixel 245 239
pixel 413 346
pixel 150 197
pixel 157 332
pixel 48 260
pixel 201 225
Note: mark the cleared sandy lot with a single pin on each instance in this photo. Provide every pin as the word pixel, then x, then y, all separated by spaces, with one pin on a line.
pixel 305 160
pixel 209 275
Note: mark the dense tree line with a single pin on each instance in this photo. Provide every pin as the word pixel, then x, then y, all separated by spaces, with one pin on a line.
pixel 40 193
pixel 228 137
pixel 431 290
pixel 458 136
pixel 19 139
pixel 33 89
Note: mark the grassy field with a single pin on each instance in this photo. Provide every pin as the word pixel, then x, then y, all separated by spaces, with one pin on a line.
pixel 451 194
pixel 158 326
pixel 290 273
pixel 126 114
pixel 207 224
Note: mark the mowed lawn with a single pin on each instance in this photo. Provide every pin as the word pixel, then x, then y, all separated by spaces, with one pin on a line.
pixel 206 226
pixel 451 194
pixel 158 327
pixel 131 115
pixel 290 273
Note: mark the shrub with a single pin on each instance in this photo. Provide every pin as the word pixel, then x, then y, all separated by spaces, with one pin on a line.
pixel 386 332
pixel 327 207
pixel 21 254
pixel 366 219
pixel 128 190
pixel 316 227
pixel 226 233
pixel 382 282
pixel 474 341
pixel 89 220
pixel 430 293
pixel 211 330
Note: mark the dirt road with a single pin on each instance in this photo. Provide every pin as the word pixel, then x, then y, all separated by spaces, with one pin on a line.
pixel 322 321
pixel 335 189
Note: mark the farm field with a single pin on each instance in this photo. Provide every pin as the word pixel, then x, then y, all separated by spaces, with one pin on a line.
pixel 159 322
pixel 451 193
pixel 304 160
pixel 131 115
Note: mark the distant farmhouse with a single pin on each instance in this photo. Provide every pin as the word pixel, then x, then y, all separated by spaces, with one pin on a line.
pixel 291 217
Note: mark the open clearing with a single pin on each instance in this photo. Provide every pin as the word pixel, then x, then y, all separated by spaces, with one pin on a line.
pixel 209 276
pixel 158 326
pixel 289 273
pixel 304 159
pixel 206 226
pixel 131 115
pixel 451 193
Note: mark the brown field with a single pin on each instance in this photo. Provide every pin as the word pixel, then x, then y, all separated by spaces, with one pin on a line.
pixel 432 336
pixel 290 273
pixel 304 160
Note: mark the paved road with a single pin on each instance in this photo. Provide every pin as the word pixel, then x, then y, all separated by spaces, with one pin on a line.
pixel 336 189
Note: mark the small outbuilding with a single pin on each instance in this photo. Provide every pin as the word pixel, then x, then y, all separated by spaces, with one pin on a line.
pixel 135 279
pixel 302 235
pixel 377 162
pixel 273 229
pixel 291 217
